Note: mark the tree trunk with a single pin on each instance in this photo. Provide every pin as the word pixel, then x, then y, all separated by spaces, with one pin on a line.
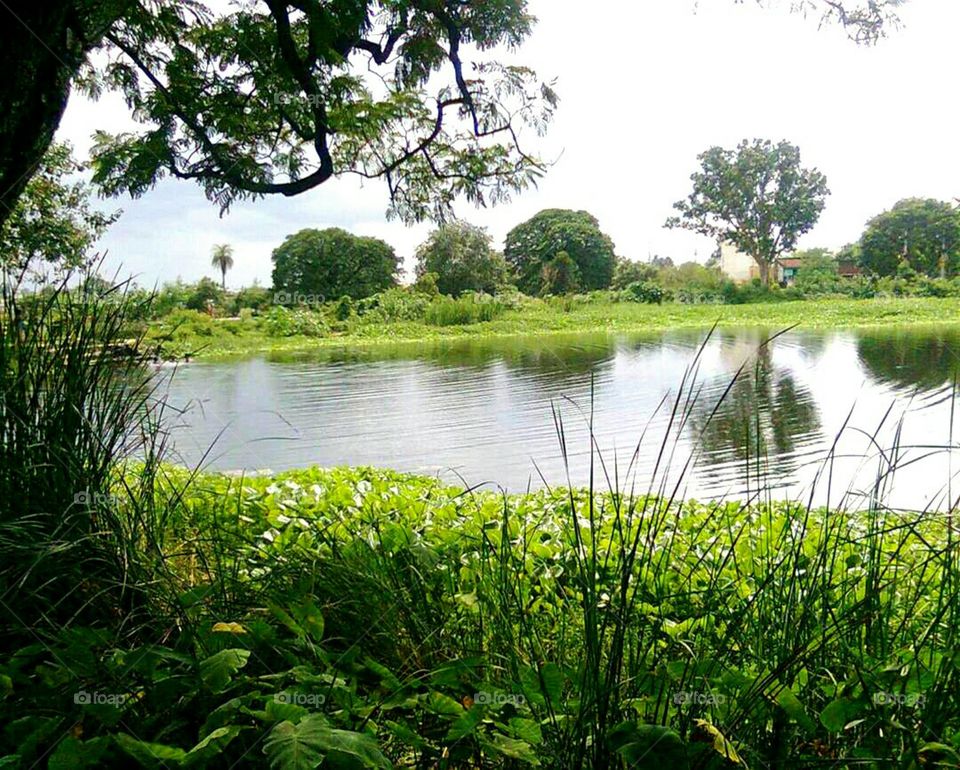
pixel 764 273
pixel 44 44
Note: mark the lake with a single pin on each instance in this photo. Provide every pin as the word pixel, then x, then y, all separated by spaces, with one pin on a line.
pixel 824 407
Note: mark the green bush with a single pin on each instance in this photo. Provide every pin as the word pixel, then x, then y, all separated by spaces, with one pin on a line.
pixel 468 309
pixel 283 322
pixel 255 298
pixel 206 294
pixel 397 304
pixel 647 291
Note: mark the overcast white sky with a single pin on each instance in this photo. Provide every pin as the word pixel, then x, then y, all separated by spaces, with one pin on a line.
pixel 645 85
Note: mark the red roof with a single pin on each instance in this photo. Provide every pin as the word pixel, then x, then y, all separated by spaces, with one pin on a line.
pixel 791 262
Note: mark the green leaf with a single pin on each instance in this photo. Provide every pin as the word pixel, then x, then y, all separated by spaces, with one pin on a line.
pixel 511 747
pixel 552 681
pixel 466 724
pixel 719 741
pixel 527 730
pixel 305 745
pixel 217 671
pixel 787 700
pixel 74 754
pixel 438 703
pixel 836 715
pixel 649 746
pixel 213 745
pixel 149 755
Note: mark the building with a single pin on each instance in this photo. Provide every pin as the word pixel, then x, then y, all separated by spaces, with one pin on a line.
pixel 741 268
pixel 737 266
pixel 787 270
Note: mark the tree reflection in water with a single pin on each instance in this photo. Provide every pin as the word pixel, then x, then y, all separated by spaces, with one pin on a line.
pixel 916 359
pixel 765 422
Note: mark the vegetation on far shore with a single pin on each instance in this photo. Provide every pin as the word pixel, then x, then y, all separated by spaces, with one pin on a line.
pixel 197 335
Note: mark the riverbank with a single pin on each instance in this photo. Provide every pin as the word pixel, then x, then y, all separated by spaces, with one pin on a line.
pixel 235 337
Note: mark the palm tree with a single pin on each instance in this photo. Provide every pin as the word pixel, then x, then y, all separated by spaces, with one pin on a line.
pixel 223 259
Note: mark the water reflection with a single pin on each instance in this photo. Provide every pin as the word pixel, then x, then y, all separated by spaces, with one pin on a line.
pixel 483 409
pixel 765 413
pixel 921 359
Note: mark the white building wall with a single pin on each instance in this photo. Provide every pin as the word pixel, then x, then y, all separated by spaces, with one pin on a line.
pixel 736 265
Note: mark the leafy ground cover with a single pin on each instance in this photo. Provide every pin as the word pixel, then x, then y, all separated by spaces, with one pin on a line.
pixel 365 618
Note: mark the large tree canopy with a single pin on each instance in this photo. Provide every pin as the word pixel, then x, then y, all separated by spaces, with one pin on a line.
pixel 274 97
pixel 924 233
pixel 757 196
pixel 314 266
pixel 530 246
pixel 462 258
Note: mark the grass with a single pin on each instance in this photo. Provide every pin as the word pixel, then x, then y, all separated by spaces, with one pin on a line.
pixel 535 317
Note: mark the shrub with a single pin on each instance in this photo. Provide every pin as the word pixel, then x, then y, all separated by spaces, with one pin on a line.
pixel 344 309
pixel 283 322
pixel 396 304
pixel 205 294
pixel 462 258
pixel 647 291
pixel 627 272
pixel 255 298
pixel 468 309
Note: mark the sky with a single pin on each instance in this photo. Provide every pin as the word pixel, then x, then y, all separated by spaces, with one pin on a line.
pixel 645 86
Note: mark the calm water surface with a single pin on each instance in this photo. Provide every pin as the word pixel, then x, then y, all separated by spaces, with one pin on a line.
pixel 483 411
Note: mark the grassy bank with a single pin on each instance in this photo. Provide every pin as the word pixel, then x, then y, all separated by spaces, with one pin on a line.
pixel 229 337
pixel 376 619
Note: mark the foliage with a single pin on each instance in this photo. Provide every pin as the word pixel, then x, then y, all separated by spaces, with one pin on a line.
pixel 277 98
pixel 204 296
pixel 818 273
pixel 467 309
pixel 534 243
pixel 758 197
pixel 396 304
pixel 321 265
pixel 462 258
pixel 560 275
pixel 255 298
pixel 52 222
pixel 73 399
pixel 627 271
pixel 691 282
pixel 284 322
pixel 925 233
pixel 646 291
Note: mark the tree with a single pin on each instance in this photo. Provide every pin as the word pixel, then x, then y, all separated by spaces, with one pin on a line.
pixel 462 258
pixel 757 197
pixel 52 221
pixel 560 275
pixel 222 260
pixel 264 97
pixel 923 233
pixel 216 90
pixel 205 296
pixel 536 242
pixel 627 271
pixel 818 272
pixel 321 265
